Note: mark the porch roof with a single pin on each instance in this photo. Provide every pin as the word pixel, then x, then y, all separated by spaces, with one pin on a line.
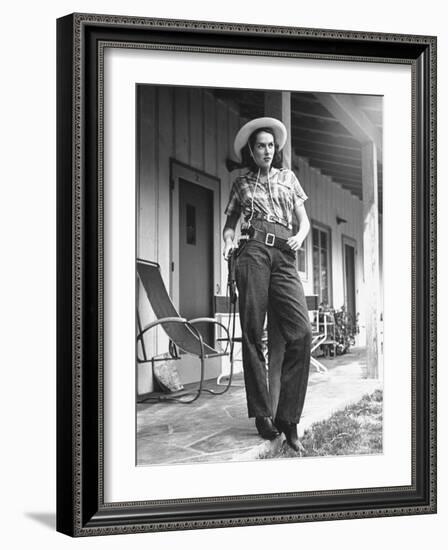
pixel 317 133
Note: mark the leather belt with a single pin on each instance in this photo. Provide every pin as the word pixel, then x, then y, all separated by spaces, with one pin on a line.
pixel 269 239
pixel 269 218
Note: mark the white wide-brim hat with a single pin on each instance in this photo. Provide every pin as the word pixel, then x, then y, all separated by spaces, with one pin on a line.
pixel 246 131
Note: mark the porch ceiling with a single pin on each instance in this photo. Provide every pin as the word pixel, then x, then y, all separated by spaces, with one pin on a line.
pixel 317 135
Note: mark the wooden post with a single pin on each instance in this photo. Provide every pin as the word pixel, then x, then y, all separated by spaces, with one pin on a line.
pixel 277 105
pixel 371 255
pixel 344 108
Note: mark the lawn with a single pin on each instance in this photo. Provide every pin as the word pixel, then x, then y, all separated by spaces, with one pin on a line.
pixel 355 430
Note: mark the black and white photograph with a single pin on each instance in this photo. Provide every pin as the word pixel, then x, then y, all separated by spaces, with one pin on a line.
pixel 245 275
pixel 259 303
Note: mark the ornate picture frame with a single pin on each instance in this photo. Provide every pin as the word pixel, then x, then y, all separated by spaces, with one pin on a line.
pixel 81 506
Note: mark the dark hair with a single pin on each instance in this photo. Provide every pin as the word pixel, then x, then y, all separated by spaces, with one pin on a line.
pixel 247 159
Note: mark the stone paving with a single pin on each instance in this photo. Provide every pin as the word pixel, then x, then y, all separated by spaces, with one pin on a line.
pixel 217 429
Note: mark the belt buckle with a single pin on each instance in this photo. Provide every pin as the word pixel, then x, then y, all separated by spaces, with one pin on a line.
pixel 270 239
pixel 270 218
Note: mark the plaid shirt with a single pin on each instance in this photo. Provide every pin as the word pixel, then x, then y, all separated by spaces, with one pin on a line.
pixel 286 191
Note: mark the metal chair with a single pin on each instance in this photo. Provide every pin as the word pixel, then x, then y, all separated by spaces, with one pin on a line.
pixel 320 324
pixel 183 334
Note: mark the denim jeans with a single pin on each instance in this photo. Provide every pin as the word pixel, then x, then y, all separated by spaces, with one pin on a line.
pixel 267 278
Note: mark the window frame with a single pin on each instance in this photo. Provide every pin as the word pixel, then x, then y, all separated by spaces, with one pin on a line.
pixel 323 228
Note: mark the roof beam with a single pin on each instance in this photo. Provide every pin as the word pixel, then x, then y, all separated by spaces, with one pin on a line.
pixel 307 136
pixel 338 177
pixel 356 170
pixel 307 97
pixel 337 164
pixel 347 112
pixel 370 102
pixel 330 153
pixel 315 130
pixel 324 118
pixel 348 185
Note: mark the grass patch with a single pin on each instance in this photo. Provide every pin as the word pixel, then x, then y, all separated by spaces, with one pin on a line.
pixel 355 430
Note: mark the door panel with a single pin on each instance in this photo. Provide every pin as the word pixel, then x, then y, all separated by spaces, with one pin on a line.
pixel 196 254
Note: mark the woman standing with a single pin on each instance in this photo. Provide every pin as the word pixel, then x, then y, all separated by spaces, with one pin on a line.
pixel 265 198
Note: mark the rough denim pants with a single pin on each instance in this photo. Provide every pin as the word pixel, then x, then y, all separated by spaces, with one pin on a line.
pixel 267 278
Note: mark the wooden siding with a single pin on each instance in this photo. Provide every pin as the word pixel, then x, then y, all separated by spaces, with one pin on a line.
pixel 326 201
pixel 192 127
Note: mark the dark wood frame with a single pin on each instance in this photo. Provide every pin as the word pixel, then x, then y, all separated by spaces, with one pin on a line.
pixel 81 510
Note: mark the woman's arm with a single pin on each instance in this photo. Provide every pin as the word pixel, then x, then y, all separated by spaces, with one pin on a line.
pixel 295 242
pixel 228 234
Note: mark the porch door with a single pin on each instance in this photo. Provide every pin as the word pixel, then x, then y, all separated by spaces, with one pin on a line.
pixel 349 282
pixel 196 254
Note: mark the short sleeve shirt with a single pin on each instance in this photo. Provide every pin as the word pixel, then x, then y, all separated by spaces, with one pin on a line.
pixel 285 194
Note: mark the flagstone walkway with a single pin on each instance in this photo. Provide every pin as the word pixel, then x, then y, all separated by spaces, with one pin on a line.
pixel 216 428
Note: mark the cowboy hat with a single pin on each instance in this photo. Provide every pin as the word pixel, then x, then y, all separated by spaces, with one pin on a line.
pixel 278 128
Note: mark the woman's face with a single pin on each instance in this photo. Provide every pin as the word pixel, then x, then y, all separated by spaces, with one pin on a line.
pixel 263 150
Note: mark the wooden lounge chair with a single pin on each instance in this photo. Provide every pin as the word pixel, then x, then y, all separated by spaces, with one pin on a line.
pixel 183 334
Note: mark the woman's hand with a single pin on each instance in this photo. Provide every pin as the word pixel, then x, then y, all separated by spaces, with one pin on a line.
pixel 229 235
pixel 295 242
pixel 228 247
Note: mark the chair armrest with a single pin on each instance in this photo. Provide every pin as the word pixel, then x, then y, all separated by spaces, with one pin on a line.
pixel 204 320
pixel 181 320
pixel 207 320
pixel 210 320
pixel 161 322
